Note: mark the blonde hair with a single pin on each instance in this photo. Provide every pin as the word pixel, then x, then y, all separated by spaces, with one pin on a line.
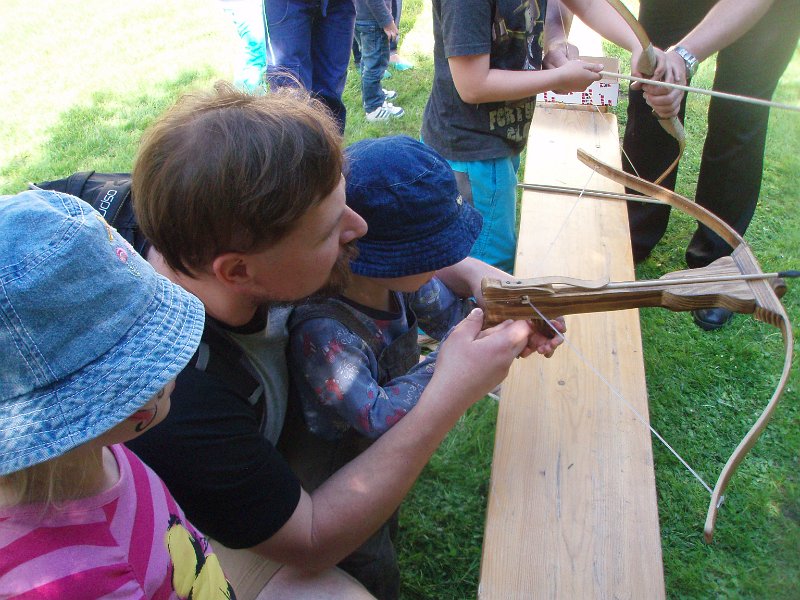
pixel 50 482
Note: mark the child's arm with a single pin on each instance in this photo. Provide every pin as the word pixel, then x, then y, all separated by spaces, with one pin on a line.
pixel 383 17
pixel 477 83
pixel 439 308
pixel 334 372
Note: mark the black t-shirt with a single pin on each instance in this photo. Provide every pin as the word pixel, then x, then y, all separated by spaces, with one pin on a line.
pixel 510 32
pixel 229 479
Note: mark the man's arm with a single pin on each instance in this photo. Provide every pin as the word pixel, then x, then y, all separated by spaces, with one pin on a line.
pixel 332 521
pixel 557 23
pixel 726 22
pixel 464 279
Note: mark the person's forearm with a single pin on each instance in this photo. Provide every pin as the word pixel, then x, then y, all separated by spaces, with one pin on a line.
pixel 726 22
pixel 367 491
pixel 557 23
pixel 338 516
pixel 464 278
pixel 478 83
pixel 601 16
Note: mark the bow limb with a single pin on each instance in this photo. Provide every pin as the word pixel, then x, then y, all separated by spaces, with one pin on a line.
pixel 647 67
pixel 768 310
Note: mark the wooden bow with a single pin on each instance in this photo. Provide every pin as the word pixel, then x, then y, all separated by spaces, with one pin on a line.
pixel 735 282
pixel 647 66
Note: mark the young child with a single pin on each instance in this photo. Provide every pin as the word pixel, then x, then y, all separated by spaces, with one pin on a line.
pixel 91 339
pixel 354 360
pixel 374 29
pixel 487 72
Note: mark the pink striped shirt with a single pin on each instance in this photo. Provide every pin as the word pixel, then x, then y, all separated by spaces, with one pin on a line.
pixel 132 541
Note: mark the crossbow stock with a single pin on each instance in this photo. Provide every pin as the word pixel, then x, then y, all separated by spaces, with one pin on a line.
pixel 735 282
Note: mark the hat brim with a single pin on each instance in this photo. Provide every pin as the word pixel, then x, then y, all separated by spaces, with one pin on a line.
pixel 106 391
pixel 384 259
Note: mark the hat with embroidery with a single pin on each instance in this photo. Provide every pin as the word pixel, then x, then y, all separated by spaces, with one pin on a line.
pixel 407 194
pixel 89 332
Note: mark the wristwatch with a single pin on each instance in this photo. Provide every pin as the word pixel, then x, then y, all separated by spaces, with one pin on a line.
pixel 689 59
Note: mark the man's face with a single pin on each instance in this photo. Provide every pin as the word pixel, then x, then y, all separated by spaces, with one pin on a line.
pixel 315 256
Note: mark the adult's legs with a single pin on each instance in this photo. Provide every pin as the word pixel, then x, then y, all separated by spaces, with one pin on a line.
pixel 254 577
pixel 733 155
pixel 649 150
pixel 289 41
pixel 333 584
pixel 332 36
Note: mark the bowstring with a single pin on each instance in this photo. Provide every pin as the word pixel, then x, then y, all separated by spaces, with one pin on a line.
pixel 617 393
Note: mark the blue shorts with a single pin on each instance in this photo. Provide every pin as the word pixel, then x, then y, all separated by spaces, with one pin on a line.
pixel 494 193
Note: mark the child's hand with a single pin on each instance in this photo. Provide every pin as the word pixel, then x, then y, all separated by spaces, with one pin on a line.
pixel 577 75
pixel 543 339
pixel 391 31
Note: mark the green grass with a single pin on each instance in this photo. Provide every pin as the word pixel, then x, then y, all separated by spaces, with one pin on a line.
pixel 84 78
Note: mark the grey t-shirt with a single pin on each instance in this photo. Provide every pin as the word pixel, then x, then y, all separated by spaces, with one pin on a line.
pixel 510 31
pixel 266 350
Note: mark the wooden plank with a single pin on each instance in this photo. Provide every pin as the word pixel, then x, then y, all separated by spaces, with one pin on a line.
pixel 572 505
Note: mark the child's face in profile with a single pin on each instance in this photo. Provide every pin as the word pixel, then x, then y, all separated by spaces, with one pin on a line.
pixel 409 283
pixel 144 419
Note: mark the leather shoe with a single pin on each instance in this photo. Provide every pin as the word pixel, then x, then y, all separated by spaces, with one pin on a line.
pixel 710 319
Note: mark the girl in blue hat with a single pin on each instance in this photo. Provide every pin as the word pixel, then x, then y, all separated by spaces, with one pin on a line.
pixel 91 339
pixel 354 360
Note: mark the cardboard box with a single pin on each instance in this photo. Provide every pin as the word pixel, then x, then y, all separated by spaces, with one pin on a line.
pixel 600 93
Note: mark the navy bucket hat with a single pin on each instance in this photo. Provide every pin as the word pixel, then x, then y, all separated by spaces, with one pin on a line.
pixel 407 194
pixel 88 331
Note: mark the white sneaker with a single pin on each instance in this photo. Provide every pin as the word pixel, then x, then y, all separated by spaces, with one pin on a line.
pixel 385 112
pixel 389 94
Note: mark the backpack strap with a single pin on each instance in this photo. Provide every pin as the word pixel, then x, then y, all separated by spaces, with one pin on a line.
pixel 75 183
pixel 111 198
pixel 218 355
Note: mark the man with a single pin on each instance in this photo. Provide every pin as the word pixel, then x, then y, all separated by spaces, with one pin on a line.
pixel 310 42
pixel 243 199
pixel 755 40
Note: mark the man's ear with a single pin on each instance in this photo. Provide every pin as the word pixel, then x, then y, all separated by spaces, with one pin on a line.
pixel 232 268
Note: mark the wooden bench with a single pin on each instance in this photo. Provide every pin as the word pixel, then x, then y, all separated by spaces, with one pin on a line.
pixel 572 509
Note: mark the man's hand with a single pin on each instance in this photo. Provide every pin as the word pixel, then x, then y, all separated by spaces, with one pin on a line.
pixel 666 102
pixel 474 361
pixel 577 75
pixel 391 31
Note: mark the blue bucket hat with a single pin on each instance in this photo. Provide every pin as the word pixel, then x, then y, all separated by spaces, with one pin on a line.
pixel 88 331
pixel 407 194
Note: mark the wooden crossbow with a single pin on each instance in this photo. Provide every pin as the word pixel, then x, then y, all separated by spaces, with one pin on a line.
pixel 735 282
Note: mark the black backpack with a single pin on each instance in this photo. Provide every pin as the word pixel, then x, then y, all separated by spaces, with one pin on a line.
pixel 110 195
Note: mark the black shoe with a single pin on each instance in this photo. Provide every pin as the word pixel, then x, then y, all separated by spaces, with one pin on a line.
pixel 710 319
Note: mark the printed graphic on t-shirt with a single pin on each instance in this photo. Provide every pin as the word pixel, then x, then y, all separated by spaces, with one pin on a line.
pixel 195 574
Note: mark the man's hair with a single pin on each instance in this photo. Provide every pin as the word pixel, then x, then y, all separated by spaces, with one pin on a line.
pixel 224 171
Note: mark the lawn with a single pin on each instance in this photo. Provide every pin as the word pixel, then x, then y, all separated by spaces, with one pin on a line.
pixel 83 79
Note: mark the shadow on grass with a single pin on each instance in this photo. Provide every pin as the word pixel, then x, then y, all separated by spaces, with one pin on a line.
pixel 102 135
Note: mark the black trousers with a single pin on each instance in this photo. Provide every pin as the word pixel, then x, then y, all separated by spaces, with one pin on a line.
pixel 733 153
